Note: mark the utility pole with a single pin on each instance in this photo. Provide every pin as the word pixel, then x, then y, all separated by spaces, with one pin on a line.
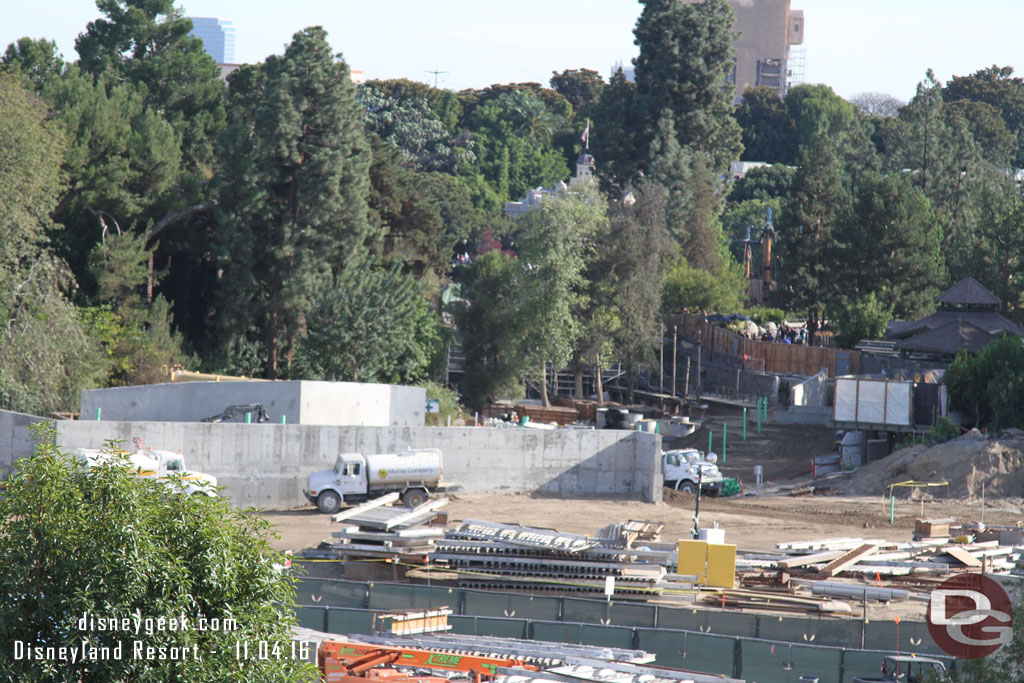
pixel 435 74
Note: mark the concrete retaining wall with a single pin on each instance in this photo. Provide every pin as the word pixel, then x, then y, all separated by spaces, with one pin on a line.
pixel 266 465
pixel 300 402
pixel 15 439
pixel 753 384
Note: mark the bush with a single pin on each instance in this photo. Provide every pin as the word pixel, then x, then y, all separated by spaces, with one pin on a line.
pixel 944 430
pixel 110 545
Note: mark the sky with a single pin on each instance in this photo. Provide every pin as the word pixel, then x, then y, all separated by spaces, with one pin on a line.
pixel 867 45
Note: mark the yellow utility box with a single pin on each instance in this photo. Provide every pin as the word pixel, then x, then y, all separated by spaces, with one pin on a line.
pixel 714 564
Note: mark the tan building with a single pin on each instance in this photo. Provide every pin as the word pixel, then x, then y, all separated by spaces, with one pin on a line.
pixel 769 29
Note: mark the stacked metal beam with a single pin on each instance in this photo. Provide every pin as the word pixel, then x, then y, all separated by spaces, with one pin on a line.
pixel 496 556
pixel 376 529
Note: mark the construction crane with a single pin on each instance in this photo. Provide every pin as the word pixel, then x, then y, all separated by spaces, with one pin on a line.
pixel 767 239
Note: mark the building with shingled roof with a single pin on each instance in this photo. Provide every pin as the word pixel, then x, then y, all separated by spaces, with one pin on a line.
pixel 968 319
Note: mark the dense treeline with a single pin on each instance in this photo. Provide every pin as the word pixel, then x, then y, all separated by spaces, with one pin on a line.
pixel 287 223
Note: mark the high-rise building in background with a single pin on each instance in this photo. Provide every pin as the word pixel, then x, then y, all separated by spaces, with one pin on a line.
pixel 769 51
pixel 218 38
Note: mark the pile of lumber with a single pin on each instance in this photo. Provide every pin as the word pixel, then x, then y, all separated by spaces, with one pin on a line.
pixel 873 557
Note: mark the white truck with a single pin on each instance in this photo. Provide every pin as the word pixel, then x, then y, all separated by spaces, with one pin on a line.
pixel 356 478
pixel 683 467
pixel 163 466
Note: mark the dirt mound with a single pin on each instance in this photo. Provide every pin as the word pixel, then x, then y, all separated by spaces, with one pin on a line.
pixel 966 463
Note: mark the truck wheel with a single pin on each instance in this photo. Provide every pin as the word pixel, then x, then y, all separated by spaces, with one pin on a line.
pixel 328 502
pixel 688 487
pixel 414 498
pixel 713 493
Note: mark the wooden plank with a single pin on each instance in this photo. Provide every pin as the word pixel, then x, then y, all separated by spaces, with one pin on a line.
pixel 848 560
pixel 816 558
pixel 370 505
pixel 963 556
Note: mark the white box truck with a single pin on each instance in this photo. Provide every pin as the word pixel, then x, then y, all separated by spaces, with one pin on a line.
pixel 356 478
pixel 164 466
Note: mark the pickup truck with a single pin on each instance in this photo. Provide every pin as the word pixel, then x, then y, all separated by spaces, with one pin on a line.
pixel 163 466
pixel 681 469
pixel 357 478
pixel 908 669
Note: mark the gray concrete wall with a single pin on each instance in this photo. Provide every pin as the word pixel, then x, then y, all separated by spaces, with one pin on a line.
pixel 300 402
pixel 15 439
pixel 266 464
pixel 812 392
pixel 754 384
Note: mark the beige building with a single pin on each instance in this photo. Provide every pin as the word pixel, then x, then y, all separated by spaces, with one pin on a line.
pixel 769 49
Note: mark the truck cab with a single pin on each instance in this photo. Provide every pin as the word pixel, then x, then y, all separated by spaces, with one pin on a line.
pixel 683 467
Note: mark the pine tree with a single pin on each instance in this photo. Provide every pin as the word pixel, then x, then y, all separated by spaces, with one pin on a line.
pixel 685 57
pixel 293 197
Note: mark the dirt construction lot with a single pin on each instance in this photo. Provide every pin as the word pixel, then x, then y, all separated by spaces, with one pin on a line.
pixel 752 522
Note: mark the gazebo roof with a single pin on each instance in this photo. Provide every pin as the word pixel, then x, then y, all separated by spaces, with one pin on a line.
pixel 968 292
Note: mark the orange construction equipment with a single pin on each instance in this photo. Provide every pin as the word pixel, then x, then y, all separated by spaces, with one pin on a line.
pixel 341 660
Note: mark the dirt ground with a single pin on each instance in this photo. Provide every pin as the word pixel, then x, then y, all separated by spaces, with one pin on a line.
pixel 752 522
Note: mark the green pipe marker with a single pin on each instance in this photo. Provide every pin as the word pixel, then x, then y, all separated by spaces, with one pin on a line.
pixel 248 418
pixel 98 411
pixel 892 510
pixel 711 435
pixel 284 419
pixel 744 423
pixel 725 432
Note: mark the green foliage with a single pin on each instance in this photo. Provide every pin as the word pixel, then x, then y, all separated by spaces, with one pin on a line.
pixel 615 135
pixel 491 326
pixel 892 223
pixel 944 430
pixel 45 358
pixel 995 86
pixel 864 317
pixel 582 87
pixel 769 134
pixel 763 182
pixel 686 55
pixel 444 104
pixel 693 289
pixel 763 316
pixel 108 544
pixel 512 136
pixel 410 125
pixel 371 325
pixel 293 205
pixel 448 403
pixel 38 59
pixel 989 387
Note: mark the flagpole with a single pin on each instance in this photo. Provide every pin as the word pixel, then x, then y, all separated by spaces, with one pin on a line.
pixel 587 141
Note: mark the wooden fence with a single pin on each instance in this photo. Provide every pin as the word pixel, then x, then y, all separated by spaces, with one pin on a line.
pixel 793 359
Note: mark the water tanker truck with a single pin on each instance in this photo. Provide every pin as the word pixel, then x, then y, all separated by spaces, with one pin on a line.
pixel 356 478
pixel 167 467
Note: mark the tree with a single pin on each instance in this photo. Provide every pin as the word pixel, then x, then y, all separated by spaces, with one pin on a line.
pixel 293 193
pixel 444 104
pixel 891 229
pixel 614 134
pixel 555 242
pixel 694 289
pixel 686 55
pixel 864 316
pixel 989 386
pixel 107 544
pixel 38 60
pixel 582 87
pixel 410 125
pixel 371 325
pixel 492 329
pixel 148 42
pixel 763 182
pixel 637 272
pixel 45 357
pixel 818 202
pixel 877 104
pixel 998 144
pixel 768 130
pixel 999 88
